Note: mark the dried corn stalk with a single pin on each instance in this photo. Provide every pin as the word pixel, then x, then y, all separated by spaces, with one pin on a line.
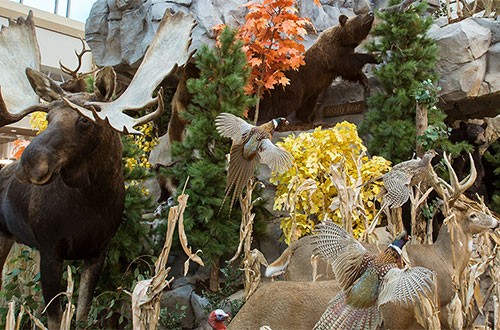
pixel 349 200
pixel 252 259
pixel 147 293
pixel 417 199
pixel 426 311
pixel 69 311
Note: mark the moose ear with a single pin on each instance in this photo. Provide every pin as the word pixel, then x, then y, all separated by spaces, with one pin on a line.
pixel 43 86
pixel 105 83
pixel 342 19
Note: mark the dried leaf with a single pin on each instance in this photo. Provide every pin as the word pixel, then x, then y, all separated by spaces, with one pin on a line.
pixel 455 315
pixel 10 322
pixel 478 296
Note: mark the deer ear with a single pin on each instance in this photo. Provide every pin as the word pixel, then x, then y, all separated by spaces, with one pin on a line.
pixel 342 19
pixel 105 83
pixel 43 86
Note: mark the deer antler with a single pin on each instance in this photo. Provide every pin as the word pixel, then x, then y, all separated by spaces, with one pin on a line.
pixel 74 73
pixel 450 192
pixel 18 51
pixel 169 49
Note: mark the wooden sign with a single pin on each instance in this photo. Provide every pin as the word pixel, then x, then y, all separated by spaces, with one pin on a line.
pixel 343 109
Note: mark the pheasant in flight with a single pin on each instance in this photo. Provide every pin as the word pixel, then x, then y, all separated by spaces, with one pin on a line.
pixel 367 280
pixel 251 145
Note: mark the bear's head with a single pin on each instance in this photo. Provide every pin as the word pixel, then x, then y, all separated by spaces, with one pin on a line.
pixel 351 31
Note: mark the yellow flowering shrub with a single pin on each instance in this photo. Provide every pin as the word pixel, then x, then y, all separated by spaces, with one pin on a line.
pixel 38 121
pixel 314 153
pixel 146 142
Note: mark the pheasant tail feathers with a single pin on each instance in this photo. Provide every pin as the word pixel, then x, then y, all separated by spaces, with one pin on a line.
pixel 239 173
pixel 341 316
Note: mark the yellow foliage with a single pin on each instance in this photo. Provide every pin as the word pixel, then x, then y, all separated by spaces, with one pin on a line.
pixel 314 153
pixel 146 142
pixel 38 121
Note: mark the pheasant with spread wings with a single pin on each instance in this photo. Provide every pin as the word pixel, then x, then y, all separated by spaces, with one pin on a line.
pixel 251 145
pixel 367 280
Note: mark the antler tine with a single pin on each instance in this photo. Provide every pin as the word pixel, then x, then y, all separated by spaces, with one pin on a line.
pixel 450 192
pixel 459 187
pixel 7 118
pixel 74 73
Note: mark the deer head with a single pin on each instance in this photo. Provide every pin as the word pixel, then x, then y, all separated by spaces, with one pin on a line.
pixel 77 81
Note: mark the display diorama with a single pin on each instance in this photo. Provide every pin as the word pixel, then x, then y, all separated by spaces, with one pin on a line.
pixel 273 164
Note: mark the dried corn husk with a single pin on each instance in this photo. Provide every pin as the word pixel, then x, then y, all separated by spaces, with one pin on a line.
pixel 10 322
pixel 455 315
pixel 69 311
pixel 426 314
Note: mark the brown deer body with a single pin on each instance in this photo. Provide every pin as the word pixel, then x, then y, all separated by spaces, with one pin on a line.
pixel 65 197
pixel 285 305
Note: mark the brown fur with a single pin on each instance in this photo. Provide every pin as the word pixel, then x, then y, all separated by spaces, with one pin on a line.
pixel 285 306
pixel 331 56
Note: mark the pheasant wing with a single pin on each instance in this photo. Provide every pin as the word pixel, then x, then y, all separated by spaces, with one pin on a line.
pixel 231 126
pixel 397 185
pixel 277 159
pixel 405 286
pixel 347 256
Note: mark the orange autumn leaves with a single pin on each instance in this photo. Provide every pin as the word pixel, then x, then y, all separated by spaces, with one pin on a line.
pixel 271 35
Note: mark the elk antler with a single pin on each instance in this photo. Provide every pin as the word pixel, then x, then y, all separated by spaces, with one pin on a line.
pixel 450 192
pixel 18 51
pixel 169 49
pixel 74 73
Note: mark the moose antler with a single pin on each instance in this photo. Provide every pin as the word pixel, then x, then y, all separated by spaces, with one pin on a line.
pixel 169 49
pixel 74 73
pixel 18 51
pixel 450 192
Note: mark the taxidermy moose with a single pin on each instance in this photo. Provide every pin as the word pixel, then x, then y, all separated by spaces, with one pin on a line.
pixel 65 196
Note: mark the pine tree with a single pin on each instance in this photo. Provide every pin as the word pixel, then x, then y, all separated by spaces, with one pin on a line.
pixel 409 58
pixel 202 154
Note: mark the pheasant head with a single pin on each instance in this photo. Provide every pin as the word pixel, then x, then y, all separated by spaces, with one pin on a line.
pixel 398 243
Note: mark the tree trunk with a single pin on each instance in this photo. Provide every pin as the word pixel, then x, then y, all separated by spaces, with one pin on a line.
pixel 421 125
pixel 214 275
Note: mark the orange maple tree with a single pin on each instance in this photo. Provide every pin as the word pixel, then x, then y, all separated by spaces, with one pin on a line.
pixel 19 146
pixel 271 35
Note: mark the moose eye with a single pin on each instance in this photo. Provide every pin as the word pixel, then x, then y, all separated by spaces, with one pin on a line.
pixel 83 121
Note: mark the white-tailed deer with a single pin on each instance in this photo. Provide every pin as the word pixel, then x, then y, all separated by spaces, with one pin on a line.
pixel 451 252
pixel 279 304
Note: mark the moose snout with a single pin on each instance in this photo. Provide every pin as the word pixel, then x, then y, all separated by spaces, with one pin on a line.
pixel 36 167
